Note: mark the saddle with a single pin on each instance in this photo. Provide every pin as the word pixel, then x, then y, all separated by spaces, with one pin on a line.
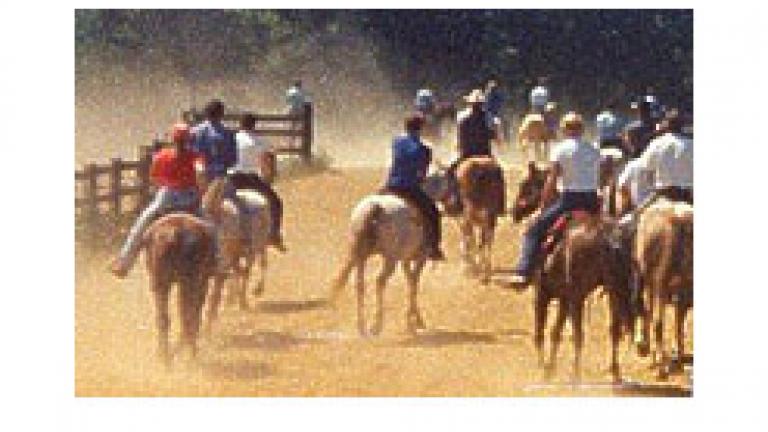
pixel 557 231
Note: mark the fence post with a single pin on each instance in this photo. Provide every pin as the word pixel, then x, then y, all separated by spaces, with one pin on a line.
pixel 145 160
pixel 115 183
pixel 306 139
pixel 92 205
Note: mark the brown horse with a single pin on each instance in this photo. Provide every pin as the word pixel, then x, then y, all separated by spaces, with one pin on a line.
pixel 580 263
pixel 483 195
pixel 179 249
pixel 664 256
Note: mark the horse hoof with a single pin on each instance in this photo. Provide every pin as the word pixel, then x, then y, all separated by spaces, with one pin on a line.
pixel 643 349
pixel 258 290
pixel 663 373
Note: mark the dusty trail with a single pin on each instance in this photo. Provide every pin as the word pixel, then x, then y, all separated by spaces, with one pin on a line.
pixel 478 341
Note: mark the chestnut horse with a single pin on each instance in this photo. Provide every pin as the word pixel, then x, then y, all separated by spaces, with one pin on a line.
pixel 664 255
pixel 580 263
pixel 535 135
pixel 179 250
pixel 483 195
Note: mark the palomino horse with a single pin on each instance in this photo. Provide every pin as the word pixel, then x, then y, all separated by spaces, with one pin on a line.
pixel 389 226
pixel 482 192
pixel 579 263
pixel 179 250
pixel 664 255
pixel 243 236
pixel 534 134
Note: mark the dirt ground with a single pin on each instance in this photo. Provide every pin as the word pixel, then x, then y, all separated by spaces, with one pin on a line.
pixel 478 340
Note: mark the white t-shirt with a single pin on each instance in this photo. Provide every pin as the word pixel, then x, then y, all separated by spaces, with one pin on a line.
pixel 539 96
pixel 250 150
pixel 670 158
pixel 580 165
pixel 638 180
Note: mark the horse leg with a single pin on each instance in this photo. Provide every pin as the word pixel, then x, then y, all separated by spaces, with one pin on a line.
pixel 245 276
pixel 191 297
pixel 258 290
pixel 577 312
pixel 541 303
pixel 361 298
pixel 680 312
pixel 381 283
pixel 414 318
pixel 658 330
pixel 161 290
pixel 616 330
pixel 486 251
pixel 557 334
pixel 213 305
pixel 341 279
pixel 468 246
pixel 646 313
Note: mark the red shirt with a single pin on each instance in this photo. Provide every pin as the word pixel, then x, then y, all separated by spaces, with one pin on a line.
pixel 175 171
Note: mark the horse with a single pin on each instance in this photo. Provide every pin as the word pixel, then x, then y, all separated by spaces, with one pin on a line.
pixel 534 133
pixel 387 225
pixel 581 262
pixel 663 252
pixel 179 249
pixel 242 236
pixel 482 192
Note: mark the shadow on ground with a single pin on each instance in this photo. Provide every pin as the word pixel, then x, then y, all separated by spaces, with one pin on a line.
pixel 291 306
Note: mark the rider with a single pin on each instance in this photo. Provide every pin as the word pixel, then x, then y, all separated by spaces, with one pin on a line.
pixel 215 141
pixel 425 102
pixel 494 99
pixel 295 98
pixel 575 167
pixel 475 130
pixel 670 158
pixel 639 132
pixel 539 97
pixel 410 160
pixel 608 129
pixel 255 157
pixel 173 171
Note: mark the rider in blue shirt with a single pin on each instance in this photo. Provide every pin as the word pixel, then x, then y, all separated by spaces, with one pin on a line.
pixel 215 141
pixel 410 160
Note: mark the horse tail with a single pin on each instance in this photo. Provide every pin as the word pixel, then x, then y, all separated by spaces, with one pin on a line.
pixel 363 238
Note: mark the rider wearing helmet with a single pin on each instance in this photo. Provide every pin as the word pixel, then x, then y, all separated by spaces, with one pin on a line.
pixel 174 171
pixel 539 97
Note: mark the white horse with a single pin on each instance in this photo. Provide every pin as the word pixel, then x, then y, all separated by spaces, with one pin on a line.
pixel 242 238
pixel 389 226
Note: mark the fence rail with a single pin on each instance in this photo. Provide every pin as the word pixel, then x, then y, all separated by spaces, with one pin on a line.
pixel 108 196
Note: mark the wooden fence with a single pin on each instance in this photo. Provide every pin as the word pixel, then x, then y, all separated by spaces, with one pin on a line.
pixel 109 196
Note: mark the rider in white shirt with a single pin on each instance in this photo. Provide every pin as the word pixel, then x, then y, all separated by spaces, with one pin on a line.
pixel 670 158
pixel 255 164
pixel 576 168
pixel 539 97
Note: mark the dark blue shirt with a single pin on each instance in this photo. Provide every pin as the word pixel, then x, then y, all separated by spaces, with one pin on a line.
pixel 410 160
pixel 217 144
pixel 494 102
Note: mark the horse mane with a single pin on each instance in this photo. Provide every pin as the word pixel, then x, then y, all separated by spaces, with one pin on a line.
pixel 212 198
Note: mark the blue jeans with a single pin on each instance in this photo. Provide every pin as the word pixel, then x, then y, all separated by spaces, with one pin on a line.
pixel 567 202
pixel 165 201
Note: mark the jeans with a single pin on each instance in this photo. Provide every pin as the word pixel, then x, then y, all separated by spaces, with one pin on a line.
pixel 165 201
pixel 255 183
pixel 567 202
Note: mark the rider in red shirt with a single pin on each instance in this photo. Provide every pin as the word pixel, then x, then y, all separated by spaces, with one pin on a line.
pixel 173 170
